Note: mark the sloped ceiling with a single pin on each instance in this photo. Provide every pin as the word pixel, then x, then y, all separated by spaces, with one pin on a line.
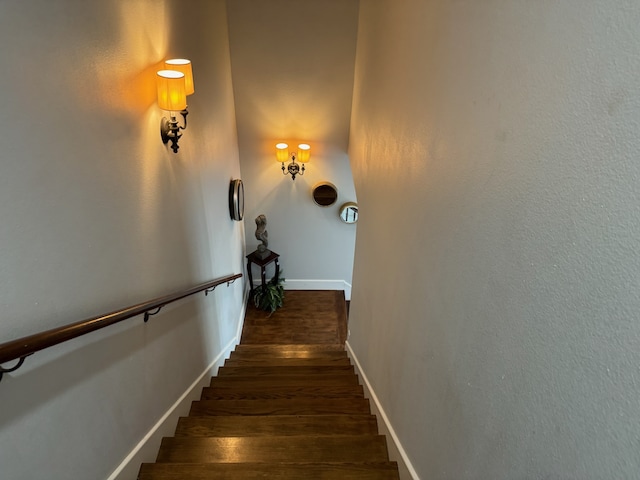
pixel 293 64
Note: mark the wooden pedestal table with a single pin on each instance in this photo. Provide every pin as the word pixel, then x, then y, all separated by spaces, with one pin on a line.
pixel 254 257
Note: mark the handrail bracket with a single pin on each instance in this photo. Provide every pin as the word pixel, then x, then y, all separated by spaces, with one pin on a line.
pixel 209 290
pixel 150 313
pixel 14 368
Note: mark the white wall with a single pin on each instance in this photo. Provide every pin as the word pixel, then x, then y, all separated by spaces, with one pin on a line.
pixel 495 151
pixel 97 214
pixel 292 68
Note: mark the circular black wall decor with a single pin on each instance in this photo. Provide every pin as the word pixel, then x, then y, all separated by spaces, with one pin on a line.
pixel 325 194
pixel 236 199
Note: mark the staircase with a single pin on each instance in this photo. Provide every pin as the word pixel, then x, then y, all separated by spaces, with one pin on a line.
pixel 285 411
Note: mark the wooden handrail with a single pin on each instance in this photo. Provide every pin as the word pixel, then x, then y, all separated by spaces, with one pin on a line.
pixel 25 346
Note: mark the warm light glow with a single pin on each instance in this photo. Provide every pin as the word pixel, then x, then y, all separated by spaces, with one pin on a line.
pixel 282 152
pixel 303 153
pixel 184 66
pixel 171 90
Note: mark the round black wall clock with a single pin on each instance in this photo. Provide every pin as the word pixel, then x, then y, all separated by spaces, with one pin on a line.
pixel 236 199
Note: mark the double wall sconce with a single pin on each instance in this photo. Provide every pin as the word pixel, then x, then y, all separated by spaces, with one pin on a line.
pixel 175 82
pixel 302 156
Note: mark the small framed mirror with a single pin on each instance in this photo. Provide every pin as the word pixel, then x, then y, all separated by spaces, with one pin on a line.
pixel 349 212
pixel 325 194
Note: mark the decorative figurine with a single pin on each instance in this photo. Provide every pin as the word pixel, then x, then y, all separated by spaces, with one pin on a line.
pixel 263 236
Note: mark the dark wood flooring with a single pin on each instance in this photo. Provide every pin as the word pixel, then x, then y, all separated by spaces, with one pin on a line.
pixel 308 317
pixel 285 405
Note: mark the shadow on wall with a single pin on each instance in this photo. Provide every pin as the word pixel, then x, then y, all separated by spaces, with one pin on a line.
pixel 27 391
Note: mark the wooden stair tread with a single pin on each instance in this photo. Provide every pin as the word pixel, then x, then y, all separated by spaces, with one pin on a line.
pixel 290 370
pixel 283 380
pixel 280 471
pixel 280 425
pixel 271 355
pixel 259 333
pixel 342 448
pixel 273 392
pixel 287 362
pixel 298 406
pixel 295 347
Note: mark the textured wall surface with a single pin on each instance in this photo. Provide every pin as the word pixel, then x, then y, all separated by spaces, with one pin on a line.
pixel 496 152
pixel 292 68
pixel 98 214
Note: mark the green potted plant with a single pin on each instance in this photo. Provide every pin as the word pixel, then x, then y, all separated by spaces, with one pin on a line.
pixel 270 297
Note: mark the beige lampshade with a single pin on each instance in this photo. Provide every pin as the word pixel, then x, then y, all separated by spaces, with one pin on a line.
pixel 282 152
pixel 171 90
pixel 182 65
pixel 303 153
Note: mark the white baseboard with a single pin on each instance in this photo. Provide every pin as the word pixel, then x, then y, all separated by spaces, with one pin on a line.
pixel 147 449
pixel 297 284
pixel 396 451
pixel 243 312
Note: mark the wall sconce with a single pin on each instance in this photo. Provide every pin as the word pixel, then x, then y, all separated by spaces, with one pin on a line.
pixel 302 155
pixel 174 84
